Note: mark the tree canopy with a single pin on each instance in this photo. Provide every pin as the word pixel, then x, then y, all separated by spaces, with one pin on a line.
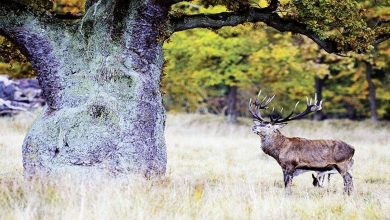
pixel 202 64
pixel 337 26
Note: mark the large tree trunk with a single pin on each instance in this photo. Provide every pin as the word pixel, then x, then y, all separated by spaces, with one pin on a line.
pixel 101 83
pixel 318 83
pixel 231 101
pixel 371 90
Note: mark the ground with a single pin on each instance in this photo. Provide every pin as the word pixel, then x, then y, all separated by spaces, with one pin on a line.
pixel 215 170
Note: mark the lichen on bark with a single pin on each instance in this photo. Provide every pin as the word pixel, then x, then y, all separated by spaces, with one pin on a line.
pixel 104 107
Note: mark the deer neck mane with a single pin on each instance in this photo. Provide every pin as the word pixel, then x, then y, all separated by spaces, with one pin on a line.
pixel 272 143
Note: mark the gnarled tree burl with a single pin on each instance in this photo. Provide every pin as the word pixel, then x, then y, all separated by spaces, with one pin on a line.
pixel 100 74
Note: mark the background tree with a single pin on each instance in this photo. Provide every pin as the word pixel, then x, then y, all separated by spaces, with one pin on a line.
pixel 376 16
pixel 12 62
pixel 100 70
pixel 217 62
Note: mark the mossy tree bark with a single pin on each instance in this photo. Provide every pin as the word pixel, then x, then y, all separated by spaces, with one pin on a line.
pixel 101 82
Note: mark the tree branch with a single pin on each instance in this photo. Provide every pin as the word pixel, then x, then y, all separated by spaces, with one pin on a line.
pixel 253 15
pixel 17 19
pixel 13 16
pixel 31 33
pixel 381 38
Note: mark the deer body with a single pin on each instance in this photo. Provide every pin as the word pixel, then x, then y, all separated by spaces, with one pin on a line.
pixel 301 153
pixel 298 155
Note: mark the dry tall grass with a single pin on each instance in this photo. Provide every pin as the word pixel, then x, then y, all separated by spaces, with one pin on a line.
pixel 215 171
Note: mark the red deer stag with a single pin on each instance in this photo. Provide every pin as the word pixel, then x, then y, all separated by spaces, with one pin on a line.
pixel 297 155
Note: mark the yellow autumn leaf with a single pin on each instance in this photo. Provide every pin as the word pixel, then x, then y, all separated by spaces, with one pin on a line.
pixel 263 3
pixel 284 2
pixel 73 7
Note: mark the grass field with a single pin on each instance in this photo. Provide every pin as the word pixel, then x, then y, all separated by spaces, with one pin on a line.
pixel 215 171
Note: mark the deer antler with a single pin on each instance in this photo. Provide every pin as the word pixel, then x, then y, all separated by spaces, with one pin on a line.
pixel 259 105
pixel 310 107
pixel 263 104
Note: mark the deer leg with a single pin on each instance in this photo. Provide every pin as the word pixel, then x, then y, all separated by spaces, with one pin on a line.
pixel 318 180
pixel 288 177
pixel 329 173
pixel 315 180
pixel 347 177
pixel 322 180
pixel 348 183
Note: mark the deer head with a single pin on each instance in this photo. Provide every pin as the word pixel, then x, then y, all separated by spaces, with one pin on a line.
pixel 264 127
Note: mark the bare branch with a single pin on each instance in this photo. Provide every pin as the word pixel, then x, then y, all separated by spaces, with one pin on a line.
pixel 253 15
pixel 381 38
